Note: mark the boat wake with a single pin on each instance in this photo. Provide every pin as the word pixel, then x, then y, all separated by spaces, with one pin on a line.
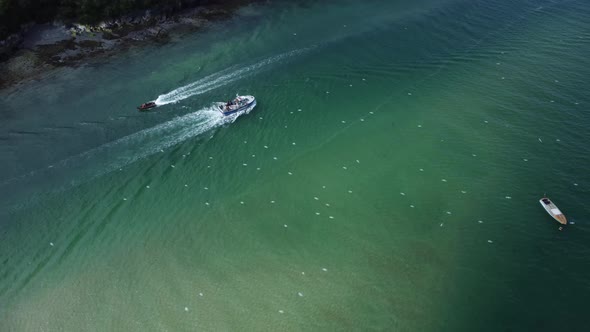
pixel 122 152
pixel 222 78
pixel 146 142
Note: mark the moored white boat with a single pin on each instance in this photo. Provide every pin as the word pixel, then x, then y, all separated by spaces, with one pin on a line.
pixel 553 211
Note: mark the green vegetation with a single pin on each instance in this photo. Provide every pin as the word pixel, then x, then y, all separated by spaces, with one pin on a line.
pixel 14 13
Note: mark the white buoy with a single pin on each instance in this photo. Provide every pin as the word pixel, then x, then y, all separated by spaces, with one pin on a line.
pixel 289 173
pixel 285 225
pixel 253 155
pixel 272 202
pixel 343 121
pixel 317 199
pixel 266 146
pixel 448 212
pixel 403 194
pixel 299 110
pixel 344 167
pixel 172 166
pixel 324 269
pixel 412 206
pixel 281 312
pixel 419 126
pixel 328 204
pixel 257 168
pixel 441 224
pixel 490 241
pixel 409 93
pixel 421 170
pixel 350 85
pixel 245 164
pixel 147 186
pixel 350 191
pixel 300 294
pixel 303 273
pixel 242 202
pixel 294 143
pixel 275 158
pixel 480 221
pixel 358 161
pixel 575 184
pixel 210 158
pixel 201 294
pixel 443 180
pixel 245 142
pixel 51 244
pixel 540 140
pixel 185 308
pixel 463 192
pixel 474 155
pixel 324 187
pixel 331 217
pixel 362 120
pixel 205 188
pixel 186 185
pixel 207 203
pixel 508 197
pixel 317 213
pixel 124 198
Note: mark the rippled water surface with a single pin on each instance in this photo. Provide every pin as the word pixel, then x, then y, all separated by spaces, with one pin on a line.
pixel 388 178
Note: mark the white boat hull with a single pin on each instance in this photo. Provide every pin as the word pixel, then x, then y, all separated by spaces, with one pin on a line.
pixel 553 210
pixel 241 104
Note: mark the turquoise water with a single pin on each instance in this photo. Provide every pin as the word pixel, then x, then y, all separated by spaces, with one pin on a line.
pixel 388 178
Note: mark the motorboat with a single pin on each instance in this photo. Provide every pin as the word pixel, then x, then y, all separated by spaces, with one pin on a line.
pixel 239 104
pixel 147 106
pixel 553 211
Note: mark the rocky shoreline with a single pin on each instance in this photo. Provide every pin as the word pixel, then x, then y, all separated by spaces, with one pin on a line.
pixel 39 49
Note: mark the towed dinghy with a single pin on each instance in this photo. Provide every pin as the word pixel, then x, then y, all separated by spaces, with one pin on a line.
pixel 553 211
pixel 239 104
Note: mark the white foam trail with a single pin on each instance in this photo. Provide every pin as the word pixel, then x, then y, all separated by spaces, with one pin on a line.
pixel 221 78
pixel 124 151
pixel 144 143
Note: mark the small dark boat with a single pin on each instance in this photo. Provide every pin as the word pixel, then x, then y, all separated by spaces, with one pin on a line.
pixel 147 106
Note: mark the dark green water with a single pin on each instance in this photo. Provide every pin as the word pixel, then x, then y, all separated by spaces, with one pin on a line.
pixel 388 178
